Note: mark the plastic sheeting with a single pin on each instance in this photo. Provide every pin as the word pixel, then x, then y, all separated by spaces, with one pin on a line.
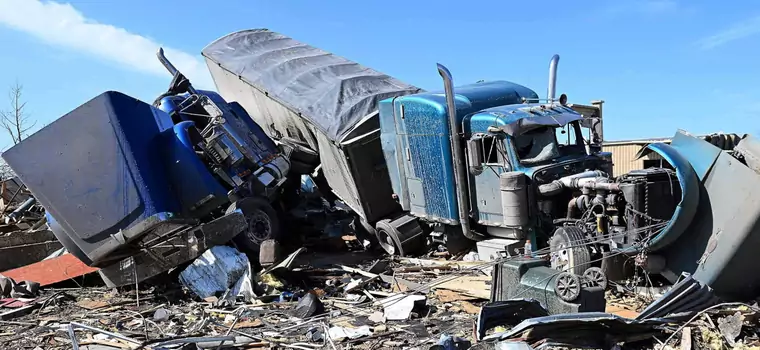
pixel 331 92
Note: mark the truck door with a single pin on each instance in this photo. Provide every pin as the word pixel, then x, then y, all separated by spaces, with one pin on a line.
pixel 486 160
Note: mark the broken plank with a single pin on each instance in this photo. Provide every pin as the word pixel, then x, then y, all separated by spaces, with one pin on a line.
pixel 92 304
pixel 18 312
pixel 620 311
pixel 403 285
pixel 357 271
pixel 469 308
pixel 447 296
pixel 475 286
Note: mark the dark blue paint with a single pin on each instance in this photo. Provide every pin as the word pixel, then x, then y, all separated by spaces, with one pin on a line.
pixel 189 177
pixel 94 170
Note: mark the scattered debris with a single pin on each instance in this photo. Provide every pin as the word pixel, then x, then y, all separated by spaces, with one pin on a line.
pixel 730 327
pixel 219 271
pixel 400 307
pixel 342 333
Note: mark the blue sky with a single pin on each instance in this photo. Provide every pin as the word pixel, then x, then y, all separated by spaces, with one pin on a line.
pixel 660 65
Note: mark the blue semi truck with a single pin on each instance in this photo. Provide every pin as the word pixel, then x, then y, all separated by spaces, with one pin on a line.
pixel 494 163
pixel 490 162
pixel 137 189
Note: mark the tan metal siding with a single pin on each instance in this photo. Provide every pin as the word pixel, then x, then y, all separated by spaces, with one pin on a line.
pixel 623 157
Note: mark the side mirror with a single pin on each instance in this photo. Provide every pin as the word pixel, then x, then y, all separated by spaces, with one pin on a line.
pixel 475 156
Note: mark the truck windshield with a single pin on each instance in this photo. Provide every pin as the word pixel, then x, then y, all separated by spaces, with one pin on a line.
pixel 572 134
pixel 537 146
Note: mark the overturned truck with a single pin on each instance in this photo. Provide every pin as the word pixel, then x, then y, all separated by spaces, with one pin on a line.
pixel 136 189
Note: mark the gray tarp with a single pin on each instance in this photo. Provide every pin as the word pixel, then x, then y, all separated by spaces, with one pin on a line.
pixel 331 92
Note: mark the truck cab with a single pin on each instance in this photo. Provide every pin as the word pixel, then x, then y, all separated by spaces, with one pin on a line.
pixel 511 147
pixel 543 142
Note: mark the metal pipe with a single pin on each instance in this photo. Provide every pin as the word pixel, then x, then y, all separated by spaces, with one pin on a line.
pixel 73 336
pixel 23 208
pixel 552 90
pixel 458 158
pixel 170 67
pixel 567 181
pixel 571 208
pixel 98 330
pixel 604 186
pixel 18 190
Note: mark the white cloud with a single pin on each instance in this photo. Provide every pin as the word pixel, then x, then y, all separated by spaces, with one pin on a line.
pixel 63 25
pixel 737 31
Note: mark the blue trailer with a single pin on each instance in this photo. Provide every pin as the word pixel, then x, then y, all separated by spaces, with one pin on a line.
pixel 137 189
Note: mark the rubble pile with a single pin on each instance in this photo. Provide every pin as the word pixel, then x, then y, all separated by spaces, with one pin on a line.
pixel 314 300
pixel 336 290
pixel 385 303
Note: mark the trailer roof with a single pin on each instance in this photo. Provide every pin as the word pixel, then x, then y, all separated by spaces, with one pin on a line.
pixel 331 92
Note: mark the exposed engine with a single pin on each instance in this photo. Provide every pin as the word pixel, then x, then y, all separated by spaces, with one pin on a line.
pixel 603 214
pixel 227 143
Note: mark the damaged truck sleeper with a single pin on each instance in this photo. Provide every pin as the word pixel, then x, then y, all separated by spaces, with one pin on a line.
pixel 137 189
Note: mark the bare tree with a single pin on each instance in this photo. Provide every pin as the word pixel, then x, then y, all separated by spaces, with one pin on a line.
pixel 16 121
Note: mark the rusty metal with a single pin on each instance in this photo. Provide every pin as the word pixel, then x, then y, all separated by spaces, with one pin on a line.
pixel 50 271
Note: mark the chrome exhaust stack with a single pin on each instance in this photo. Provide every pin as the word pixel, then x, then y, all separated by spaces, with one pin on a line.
pixel 552 89
pixel 458 157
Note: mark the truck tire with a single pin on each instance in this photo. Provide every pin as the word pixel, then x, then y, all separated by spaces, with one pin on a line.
pixel 301 168
pixel 302 152
pixel 263 223
pixel 569 253
pixel 395 242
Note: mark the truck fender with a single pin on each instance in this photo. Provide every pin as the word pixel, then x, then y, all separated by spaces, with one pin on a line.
pixel 687 207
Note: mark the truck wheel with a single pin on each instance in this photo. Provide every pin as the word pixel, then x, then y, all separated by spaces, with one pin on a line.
pixel 567 286
pixel 387 237
pixel 263 223
pixel 395 242
pixel 302 152
pixel 301 168
pixel 594 277
pixel 568 251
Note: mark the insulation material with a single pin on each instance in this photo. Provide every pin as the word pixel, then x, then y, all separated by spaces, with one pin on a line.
pixel 219 270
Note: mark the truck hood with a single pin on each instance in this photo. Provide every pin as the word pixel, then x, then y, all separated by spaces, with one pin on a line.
pixel 563 161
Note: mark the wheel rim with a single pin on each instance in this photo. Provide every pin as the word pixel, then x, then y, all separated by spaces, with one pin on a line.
pixel 386 242
pixel 259 226
pixel 567 287
pixel 595 277
pixel 561 258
